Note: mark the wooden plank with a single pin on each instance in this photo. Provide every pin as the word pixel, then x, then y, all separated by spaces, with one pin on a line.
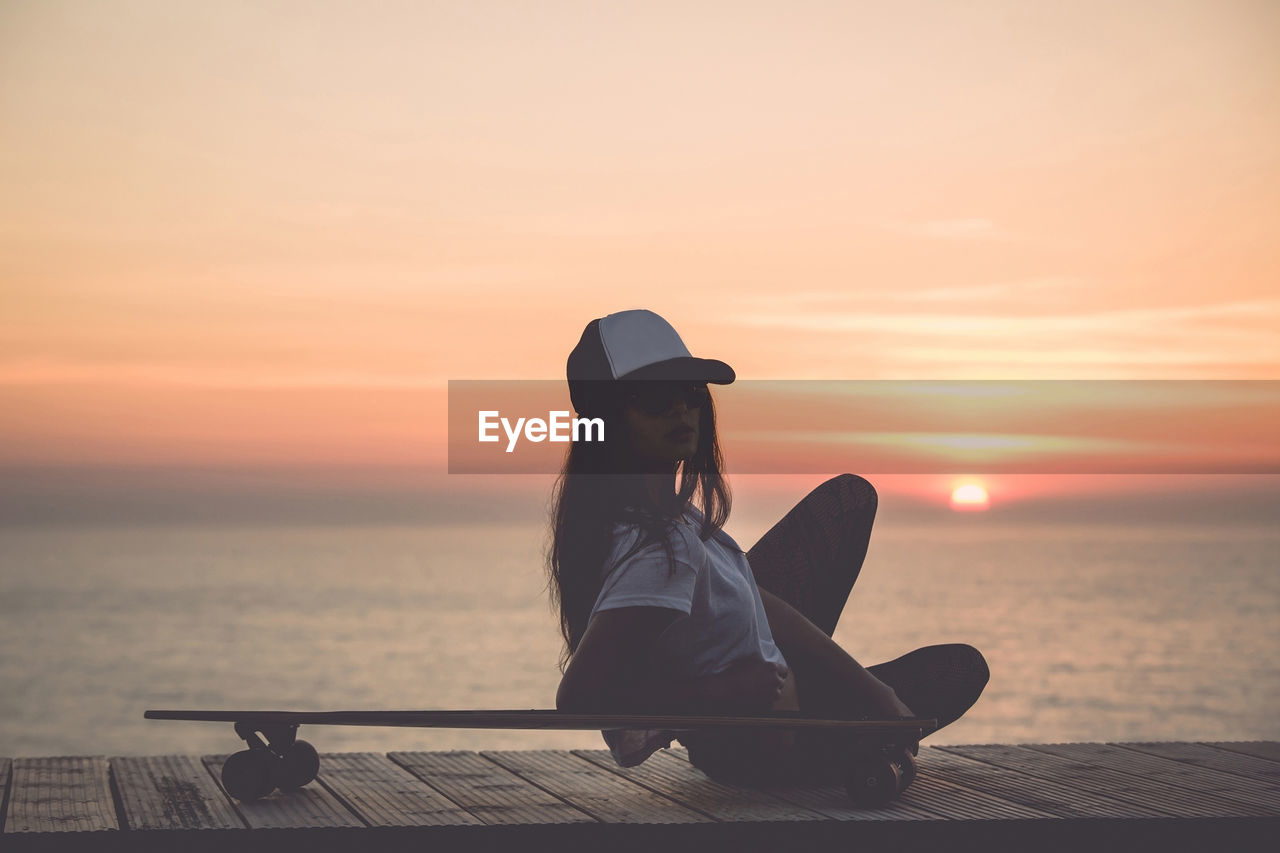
pixel 4 790
pixel 1204 755
pixel 935 792
pixel 491 793
pixel 1088 775
pixel 673 776
pixel 66 794
pixel 970 793
pixel 1028 789
pixel 383 793
pixel 1264 795
pixel 830 802
pixel 833 802
pixel 171 792
pixel 927 798
pixel 1268 749
pixel 606 796
pixel 310 807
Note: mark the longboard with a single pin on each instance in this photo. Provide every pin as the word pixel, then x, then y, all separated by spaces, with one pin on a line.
pixel 879 753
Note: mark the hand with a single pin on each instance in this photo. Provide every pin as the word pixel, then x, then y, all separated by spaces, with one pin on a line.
pixel 900 709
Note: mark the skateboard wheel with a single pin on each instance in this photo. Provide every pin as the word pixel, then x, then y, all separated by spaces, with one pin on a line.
pixel 297 767
pixel 247 774
pixel 908 764
pixel 873 782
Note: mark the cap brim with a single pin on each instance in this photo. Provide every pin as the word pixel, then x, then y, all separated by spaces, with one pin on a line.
pixel 695 369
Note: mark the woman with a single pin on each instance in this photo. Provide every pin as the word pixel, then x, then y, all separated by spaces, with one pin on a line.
pixel 662 612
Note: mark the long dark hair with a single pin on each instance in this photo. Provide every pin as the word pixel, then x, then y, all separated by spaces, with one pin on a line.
pixel 595 491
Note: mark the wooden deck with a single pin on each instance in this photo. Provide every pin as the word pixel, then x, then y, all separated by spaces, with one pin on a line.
pixel 1081 796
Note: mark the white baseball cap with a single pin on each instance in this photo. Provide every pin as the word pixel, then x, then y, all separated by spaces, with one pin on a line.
pixel 632 345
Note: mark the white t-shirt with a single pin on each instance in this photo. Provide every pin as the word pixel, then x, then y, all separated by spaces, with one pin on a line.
pixel 722 621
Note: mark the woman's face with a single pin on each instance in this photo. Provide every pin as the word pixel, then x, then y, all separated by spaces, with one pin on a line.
pixel 662 420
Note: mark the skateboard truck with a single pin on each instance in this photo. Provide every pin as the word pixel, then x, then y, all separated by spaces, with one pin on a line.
pixel 280 736
pixel 281 761
pixel 874 779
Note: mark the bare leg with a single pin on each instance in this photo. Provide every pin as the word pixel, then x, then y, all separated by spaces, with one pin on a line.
pixel 811 559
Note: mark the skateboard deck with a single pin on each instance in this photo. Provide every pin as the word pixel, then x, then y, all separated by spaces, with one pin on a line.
pixel 879 753
pixel 539 719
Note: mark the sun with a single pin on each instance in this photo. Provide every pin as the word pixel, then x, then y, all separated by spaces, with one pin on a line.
pixel 970 497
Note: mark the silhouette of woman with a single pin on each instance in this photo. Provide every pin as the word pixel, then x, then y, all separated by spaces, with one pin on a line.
pixel 662 612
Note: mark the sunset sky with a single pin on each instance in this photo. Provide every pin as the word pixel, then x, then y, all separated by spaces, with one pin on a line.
pixel 236 235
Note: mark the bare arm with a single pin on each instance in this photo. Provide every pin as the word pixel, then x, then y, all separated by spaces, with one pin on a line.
pixel 614 671
pixel 815 655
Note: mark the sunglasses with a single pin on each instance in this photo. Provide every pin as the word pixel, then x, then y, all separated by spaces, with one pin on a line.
pixel 654 398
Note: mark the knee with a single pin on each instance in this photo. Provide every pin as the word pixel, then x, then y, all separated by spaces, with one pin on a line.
pixel 858 490
pixel 974 665
pixel 957 663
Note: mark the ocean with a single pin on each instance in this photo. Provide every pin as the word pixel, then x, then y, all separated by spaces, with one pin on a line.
pixel 1093 632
